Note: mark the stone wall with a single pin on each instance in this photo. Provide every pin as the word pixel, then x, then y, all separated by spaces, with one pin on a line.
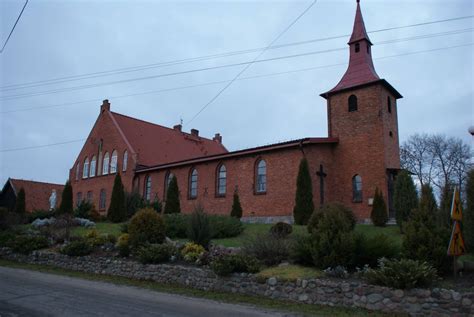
pixel 332 292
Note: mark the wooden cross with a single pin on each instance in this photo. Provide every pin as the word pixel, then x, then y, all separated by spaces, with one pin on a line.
pixel 321 175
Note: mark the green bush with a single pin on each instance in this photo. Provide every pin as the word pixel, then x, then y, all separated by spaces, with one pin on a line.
pixel 79 247
pixel 172 205
pixel 123 245
pixel 300 251
pixel 199 229
pixel 83 210
pixel 333 237
pixel 227 264
pixel 66 206
pixel 370 249
pixel 9 219
pixel 268 249
pixel 155 253
pixel 134 202
pixel 402 274
pixel 424 240
pixel 349 218
pixel 405 198
pixel 281 230
pixel 176 225
pixel 146 226
pixel 6 236
pixel 191 252
pixel 95 239
pixel 469 212
pixel 118 208
pixel 236 210
pixel 304 206
pixel 224 226
pixel 39 214
pixel 26 244
pixel 379 214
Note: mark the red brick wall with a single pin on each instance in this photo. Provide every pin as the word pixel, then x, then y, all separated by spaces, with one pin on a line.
pixel 365 147
pixel 106 130
pixel 282 170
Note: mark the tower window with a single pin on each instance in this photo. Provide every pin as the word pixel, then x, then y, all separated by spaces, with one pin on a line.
pixel 357 189
pixel 368 48
pixel 389 104
pixel 357 47
pixel 352 103
pixel 391 134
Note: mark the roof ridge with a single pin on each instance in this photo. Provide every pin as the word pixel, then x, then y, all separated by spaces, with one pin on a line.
pixel 32 181
pixel 158 125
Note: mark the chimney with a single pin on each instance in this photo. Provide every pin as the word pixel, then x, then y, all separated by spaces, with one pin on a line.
pixel 177 127
pixel 194 132
pixel 217 137
pixel 105 106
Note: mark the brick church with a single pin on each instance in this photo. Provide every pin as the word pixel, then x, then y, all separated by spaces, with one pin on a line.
pixel 360 153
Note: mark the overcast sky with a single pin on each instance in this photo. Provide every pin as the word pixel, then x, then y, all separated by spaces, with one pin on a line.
pixel 57 39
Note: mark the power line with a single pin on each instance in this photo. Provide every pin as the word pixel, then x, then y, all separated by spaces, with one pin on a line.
pixel 226 81
pixel 286 72
pixel 66 89
pixel 200 58
pixel 253 61
pixel 41 146
pixel 14 25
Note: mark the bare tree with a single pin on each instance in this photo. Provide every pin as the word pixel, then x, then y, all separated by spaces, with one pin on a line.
pixel 437 160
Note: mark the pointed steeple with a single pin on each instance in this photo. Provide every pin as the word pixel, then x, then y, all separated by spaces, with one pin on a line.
pixel 361 69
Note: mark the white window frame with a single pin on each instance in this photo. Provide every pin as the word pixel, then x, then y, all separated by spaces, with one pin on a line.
pixel 92 167
pixel 113 162
pixel 85 170
pixel 105 164
pixel 125 161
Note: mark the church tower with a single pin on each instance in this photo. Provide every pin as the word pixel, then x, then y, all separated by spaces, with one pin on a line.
pixel 362 114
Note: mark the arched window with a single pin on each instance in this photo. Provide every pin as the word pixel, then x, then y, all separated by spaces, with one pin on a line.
pixel 105 164
pixel 78 198
pixel 102 199
pixel 261 177
pixel 221 180
pixel 125 161
pixel 357 188
pixel 92 167
pixel 85 170
pixel 113 163
pixel 352 103
pixel 78 170
pixel 147 193
pixel 389 104
pixel 193 184
pixel 169 176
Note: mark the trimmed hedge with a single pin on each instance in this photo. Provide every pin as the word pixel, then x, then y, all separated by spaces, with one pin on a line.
pixel 221 226
pixel 227 264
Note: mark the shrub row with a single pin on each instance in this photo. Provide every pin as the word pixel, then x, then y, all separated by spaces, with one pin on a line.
pixel 227 264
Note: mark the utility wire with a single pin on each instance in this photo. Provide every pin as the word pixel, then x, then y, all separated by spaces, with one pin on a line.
pixel 66 89
pixel 200 58
pixel 41 146
pixel 252 62
pixel 242 78
pixel 14 25
pixel 224 81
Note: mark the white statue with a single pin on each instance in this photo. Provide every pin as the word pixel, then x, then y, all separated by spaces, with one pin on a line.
pixel 52 200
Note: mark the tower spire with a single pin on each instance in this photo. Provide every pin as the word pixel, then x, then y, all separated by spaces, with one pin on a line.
pixel 361 68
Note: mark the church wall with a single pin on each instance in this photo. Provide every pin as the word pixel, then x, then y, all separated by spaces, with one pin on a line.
pixel 112 140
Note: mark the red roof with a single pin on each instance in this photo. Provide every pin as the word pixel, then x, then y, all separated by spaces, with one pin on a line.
pixel 37 193
pixel 157 145
pixel 250 151
pixel 361 69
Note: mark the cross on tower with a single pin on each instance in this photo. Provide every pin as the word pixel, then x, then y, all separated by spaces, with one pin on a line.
pixel 321 175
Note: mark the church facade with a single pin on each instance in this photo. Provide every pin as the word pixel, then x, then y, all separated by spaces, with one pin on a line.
pixel 360 154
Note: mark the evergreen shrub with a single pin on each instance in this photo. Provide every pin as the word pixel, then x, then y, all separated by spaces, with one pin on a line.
pixel 66 206
pixel 83 210
pixel 236 210
pixel 379 210
pixel 26 244
pixel 172 205
pixel 405 198
pixel 268 249
pixel 304 205
pixel 176 225
pixel 224 226
pixel 370 249
pixel 146 226
pixel 402 274
pixel 199 229
pixel 192 252
pixel 123 245
pixel 78 247
pixel 281 230
pixel 155 253
pixel 227 264
pixel 301 249
pixel 117 209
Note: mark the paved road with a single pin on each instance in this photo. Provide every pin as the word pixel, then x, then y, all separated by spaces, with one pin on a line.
pixel 30 293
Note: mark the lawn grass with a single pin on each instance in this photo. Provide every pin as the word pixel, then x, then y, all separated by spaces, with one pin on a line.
pixel 290 272
pixel 256 301
pixel 101 227
pixel 393 232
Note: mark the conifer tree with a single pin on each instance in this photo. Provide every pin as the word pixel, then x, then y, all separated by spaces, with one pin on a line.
pixel 172 204
pixel 444 212
pixel 304 205
pixel 117 209
pixel 236 207
pixel 66 206
pixel 468 217
pixel 423 239
pixel 405 198
pixel 379 210
pixel 20 204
